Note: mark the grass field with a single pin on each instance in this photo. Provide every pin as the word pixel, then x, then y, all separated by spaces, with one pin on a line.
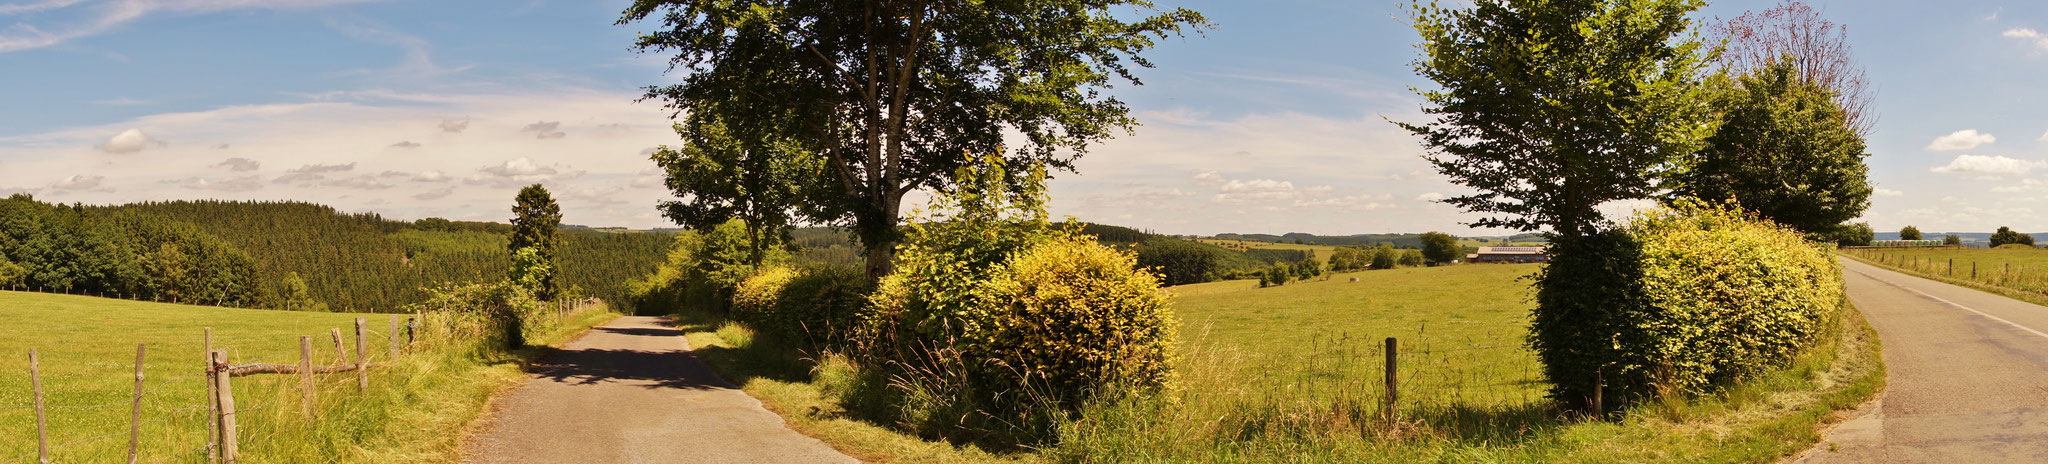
pixel 1294 374
pixel 413 412
pixel 1321 252
pixel 2016 272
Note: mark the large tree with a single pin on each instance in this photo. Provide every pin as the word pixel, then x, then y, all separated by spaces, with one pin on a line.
pixel 898 94
pixel 1819 51
pixel 1783 150
pixel 724 172
pixel 535 216
pixel 1548 109
pixel 1909 233
pixel 1441 248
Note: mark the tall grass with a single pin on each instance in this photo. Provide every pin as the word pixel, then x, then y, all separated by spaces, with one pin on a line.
pixel 413 411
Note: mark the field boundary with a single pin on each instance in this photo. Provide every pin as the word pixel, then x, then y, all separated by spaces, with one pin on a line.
pixel 219 407
pixel 2039 298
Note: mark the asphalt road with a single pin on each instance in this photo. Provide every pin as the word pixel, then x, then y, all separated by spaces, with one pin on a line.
pixel 1967 375
pixel 629 392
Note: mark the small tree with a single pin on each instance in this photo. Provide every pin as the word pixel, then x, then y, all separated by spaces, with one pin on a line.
pixel 535 218
pixel 1952 240
pixel 1909 233
pixel 1783 150
pixel 1384 257
pixel 1411 258
pixel 1440 248
pixel 1279 274
pixel 2006 236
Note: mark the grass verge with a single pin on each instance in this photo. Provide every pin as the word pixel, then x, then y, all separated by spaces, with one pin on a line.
pixel 1292 374
pixel 414 410
pixel 1979 268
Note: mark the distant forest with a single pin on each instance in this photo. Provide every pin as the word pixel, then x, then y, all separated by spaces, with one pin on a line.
pixel 1411 241
pixel 243 253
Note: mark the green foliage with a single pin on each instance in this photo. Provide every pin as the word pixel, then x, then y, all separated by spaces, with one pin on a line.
pixel 1549 109
pixel 703 269
pixel 531 271
pixel 1307 269
pixel 1441 248
pixel 121 253
pixel 296 297
pixel 820 308
pixel 1178 262
pixel 1783 150
pixel 891 100
pixel 1856 234
pixel 1278 275
pixel 739 172
pixel 535 216
pixel 508 309
pixel 1349 259
pixel 1911 233
pixel 1411 258
pixel 1385 257
pixel 1273 255
pixel 2005 236
pixel 1680 301
pixel 1002 324
pixel 1952 240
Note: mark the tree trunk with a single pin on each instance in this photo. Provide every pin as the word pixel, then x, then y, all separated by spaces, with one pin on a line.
pixel 878 234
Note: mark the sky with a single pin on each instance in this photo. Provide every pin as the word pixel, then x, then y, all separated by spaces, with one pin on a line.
pixel 1276 120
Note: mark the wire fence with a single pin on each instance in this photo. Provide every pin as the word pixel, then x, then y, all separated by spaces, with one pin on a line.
pixel 183 416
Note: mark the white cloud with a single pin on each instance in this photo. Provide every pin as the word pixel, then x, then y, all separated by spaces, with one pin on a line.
pixel 361 182
pixel 519 172
pixel 312 173
pixel 1961 140
pixel 105 17
pixel 432 176
pixel 2044 137
pixel 128 141
pixel 1209 178
pixel 1989 166
pixel 2028 34
pixel 240 164
pixel 1430 197
pixel 1885 192
pixel 455 125
pixel 1239 191
pixel 405 144
pixel 79 182
pixel 435 194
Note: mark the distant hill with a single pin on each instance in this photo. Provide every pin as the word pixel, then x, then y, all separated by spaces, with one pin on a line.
pixel 1976 239
pixel 1411 241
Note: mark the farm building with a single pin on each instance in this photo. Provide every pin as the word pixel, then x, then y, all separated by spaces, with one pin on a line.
pixel 1508 255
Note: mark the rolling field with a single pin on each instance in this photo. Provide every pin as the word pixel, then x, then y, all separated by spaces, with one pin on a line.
pixel 2018 273
pixel 1322 252
pixel 87 347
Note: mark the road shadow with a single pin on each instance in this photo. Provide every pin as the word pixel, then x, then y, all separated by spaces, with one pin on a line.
pixel 650 369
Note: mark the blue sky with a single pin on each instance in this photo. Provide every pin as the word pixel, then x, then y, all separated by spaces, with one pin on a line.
pixel 1274 121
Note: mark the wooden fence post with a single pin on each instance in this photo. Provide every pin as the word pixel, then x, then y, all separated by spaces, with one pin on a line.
pixel 225 392
pixel 1600 393
pixel 1393 376
pixel 35 379
pixel 306 377
pixel 212 403
pixel 362 365
pixel 340 355
pixel 135 408
pixel 392 337
pixel 412 325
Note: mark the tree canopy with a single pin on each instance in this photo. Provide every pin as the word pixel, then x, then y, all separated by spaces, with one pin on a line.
pixel 2006 236
pixel 535 216
pixel 895 96
pixel 1549 109
pixel 1909 233
pixel 1784 150
pixel 1439 248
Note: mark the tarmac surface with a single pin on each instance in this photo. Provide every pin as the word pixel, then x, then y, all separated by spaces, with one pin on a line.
pixel 629 392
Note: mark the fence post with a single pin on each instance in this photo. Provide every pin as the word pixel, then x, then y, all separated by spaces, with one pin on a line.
pixel 306 377
pixel 1393 376
pixel 225 392
pixel 212 403
pixel 412 324
pixel 35 379
pixel 1600 392
pixel 392 337
pixel 1951 267
pixel 362 365
pixel 135 408
pixel 340 355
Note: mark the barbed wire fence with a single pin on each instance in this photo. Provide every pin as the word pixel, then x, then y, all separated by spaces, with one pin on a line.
pixel 150 405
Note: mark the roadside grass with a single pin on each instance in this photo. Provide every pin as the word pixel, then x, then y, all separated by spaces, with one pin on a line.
pixel 414 411
pixel 2020 273
pixel 1294 374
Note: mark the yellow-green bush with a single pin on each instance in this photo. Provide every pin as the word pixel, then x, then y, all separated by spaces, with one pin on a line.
pixel 1678 301
pixel 1073 315
pixel 754 299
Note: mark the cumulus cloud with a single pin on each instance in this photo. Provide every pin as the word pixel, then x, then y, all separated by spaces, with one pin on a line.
pixel 1430 197
pixel 520 171
pixel 128 141
pixel 1209 178
pixel 79 182
pixel 312 173
pixel 404 144
pixel 1885 192
pixel 434 194
pixel 231 184
pixel 455 125
pixel 240 164
pixel 1989 166
pixel 1241 191
pixel 1961 140
pixel 2028 34
pixel 544 129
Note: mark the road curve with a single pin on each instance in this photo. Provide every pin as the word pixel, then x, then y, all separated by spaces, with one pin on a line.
pixel 629 392
pixel 1967 375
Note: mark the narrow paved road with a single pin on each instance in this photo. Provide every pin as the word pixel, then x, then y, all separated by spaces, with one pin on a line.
pixel 629 392
pixel 1967 375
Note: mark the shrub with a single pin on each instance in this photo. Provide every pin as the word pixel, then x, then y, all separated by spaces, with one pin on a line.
pixel 1952 240
pixel 1349 259
pixel 755 299
pixel 996 325
pixel 503 307
pixel 1678 301
pixel 1307 269
pixel 1411 258
pixel 2006 236
pixel 820 307
pixel 1384 257
pixel 1280 274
